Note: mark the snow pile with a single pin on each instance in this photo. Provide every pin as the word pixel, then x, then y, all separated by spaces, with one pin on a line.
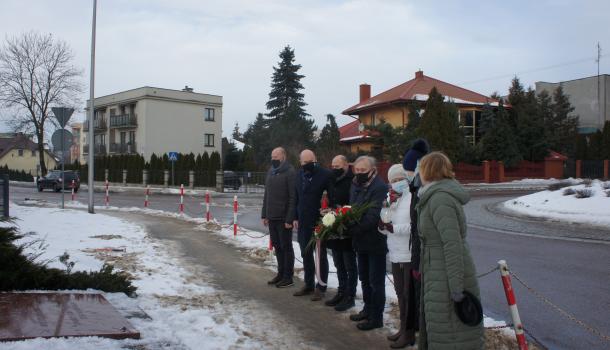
pixel 554 205
pixel 178 309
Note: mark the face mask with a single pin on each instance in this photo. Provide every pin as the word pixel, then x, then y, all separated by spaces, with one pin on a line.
pixel 338 172
pixel 410 178
pixel 399 186
pixel 309 167
pixel 362 178
pixel 275 163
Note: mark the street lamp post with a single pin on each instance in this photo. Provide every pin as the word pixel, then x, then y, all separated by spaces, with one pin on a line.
pixel 91 114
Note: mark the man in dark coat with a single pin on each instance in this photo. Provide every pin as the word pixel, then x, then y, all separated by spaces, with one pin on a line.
pixel 279 203
pixel 343 253
pixel 370 245
pixel 410 163
pixel 311 182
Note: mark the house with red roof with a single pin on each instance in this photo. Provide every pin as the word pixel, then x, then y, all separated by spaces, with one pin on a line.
pixel 392 106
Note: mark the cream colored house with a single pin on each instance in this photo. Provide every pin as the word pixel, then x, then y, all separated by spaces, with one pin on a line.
pixel 76 150
pixel 151 120
pixel 18 152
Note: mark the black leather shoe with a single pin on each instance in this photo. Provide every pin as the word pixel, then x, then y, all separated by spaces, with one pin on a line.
pixel 362 315
pixel 335 300
pixel 275 280
pixel 345 304
pixel 368 325
pixel 285 284
pixel 303 291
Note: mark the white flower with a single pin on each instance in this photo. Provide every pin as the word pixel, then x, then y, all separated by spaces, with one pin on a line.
pixel 328 219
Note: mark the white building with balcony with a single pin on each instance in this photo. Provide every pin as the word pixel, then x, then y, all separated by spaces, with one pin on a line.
pixel 151 120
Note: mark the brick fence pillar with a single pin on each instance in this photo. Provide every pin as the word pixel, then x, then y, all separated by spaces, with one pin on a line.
pixel 486 172
pixel 606 170
pixel 578 168
pixel 501 171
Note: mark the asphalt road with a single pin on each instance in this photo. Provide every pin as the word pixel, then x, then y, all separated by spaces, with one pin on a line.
pixel 563 263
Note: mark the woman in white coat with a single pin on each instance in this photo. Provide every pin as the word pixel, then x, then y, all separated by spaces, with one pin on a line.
pixel 396 225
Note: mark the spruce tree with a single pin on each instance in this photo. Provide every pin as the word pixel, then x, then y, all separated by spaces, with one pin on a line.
pixel 498 141
pixel 286 87
pixel 564 127
pixel 439 125
pixel 527 122
pixel 328 145
pixel 596 144
pixel 581 151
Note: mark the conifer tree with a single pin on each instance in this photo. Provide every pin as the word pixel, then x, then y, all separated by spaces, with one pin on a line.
pixel 439 125
pixel 286 87
pixel 564 126
pixel 498 141
pixel 328 145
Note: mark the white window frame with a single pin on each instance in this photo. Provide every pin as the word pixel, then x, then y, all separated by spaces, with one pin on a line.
pixel 207 138
pixel 209 114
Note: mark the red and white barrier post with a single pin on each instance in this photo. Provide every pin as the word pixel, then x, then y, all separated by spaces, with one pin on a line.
pixel 512 305
pixel 235 206
pixel 181 208
pixel 73 184
pixel 147 193
pixel 106 197
pixel 207 206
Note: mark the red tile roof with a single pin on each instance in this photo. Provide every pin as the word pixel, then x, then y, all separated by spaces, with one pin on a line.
pixel 418 89
pixel 349 130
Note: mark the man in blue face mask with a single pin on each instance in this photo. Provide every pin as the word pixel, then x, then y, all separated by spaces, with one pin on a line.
pixel 311 182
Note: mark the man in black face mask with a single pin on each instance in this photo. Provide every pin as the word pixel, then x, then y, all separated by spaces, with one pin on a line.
pixel 278 213
pixel 311 182
pixel 343 253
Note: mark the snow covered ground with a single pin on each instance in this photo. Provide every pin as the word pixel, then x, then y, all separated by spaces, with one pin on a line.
pixel 183 310
pixel 183 307
pixel 557 206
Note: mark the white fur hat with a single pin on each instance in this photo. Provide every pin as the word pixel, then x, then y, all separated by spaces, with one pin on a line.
pixel 395 171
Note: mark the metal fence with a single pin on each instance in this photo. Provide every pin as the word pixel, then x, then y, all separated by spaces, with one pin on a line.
pixel 592 169
pixel 4 183
pixel 244 182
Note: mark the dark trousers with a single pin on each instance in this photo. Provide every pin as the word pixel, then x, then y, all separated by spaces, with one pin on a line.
pixel 309 265
pixel 347 271
pixel 371 270
pixel 406 288
pixel 281 239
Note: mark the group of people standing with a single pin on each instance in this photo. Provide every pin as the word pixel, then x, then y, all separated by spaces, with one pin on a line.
pixel 416 218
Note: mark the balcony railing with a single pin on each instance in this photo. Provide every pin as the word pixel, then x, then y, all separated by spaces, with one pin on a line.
pixel 99 149
pixel 123 121
pixel 123 148
pixel 99 124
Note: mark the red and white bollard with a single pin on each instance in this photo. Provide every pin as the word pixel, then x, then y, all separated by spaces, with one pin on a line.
pixel 512 305
pixel 146 196
pixel 181 208
pixel 235 206
pixel 106 197
pixel 73 184
pixel 207 206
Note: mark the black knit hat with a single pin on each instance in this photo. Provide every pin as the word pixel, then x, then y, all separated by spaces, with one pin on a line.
pixel 418 149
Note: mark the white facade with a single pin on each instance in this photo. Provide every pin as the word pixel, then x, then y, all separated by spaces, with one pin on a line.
pixel 151 120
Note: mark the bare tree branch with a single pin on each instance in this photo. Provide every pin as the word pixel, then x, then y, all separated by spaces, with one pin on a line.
pixel 36 73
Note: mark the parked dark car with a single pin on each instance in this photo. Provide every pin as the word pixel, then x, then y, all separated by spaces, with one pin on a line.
pixel 53 181
pixel 232 180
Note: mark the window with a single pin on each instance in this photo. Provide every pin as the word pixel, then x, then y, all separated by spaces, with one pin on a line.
pixel 208 140
pixel 33 153
pixel 20 152
pixel 209 114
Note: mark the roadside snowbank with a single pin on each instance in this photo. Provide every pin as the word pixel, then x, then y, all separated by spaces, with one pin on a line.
pixel 175 308
pixel 557 206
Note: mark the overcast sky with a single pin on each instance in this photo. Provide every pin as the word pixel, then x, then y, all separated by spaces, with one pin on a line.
pixel 228 47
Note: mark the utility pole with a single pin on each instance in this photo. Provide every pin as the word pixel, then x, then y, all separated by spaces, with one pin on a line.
pixel 599 104
pixel 91 114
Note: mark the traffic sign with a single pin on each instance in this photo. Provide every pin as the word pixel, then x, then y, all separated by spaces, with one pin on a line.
pixel 61 139
pixel 173 156
pixel 62 114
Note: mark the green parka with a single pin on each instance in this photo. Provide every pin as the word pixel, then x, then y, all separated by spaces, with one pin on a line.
pixel 446 267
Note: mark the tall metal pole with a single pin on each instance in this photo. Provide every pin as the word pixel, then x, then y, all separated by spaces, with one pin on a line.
pixel 91 113
pixel 63 160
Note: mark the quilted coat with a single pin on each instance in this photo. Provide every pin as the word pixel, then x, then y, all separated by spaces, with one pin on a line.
pixel 446 267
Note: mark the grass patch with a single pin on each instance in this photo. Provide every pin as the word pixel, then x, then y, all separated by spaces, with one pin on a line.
pixel 584 193
pixel 568 191
pixel 19 271
pixel 559 185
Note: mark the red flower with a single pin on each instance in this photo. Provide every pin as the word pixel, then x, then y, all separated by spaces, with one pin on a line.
pixel 345 210
pixel 317 229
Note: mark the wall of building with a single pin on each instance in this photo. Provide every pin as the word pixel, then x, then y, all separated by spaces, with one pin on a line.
pixel 584 98
pixel 393 115
pixel 28 162
pixel 177 127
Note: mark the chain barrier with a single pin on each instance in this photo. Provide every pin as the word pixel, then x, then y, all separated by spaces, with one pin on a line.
pixel 560 310
pixel 488 272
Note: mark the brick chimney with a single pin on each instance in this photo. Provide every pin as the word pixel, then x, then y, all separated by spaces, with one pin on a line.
pixel 419 74
pixel 365 92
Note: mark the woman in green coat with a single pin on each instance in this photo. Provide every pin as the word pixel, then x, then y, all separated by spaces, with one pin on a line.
pixel 446 264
